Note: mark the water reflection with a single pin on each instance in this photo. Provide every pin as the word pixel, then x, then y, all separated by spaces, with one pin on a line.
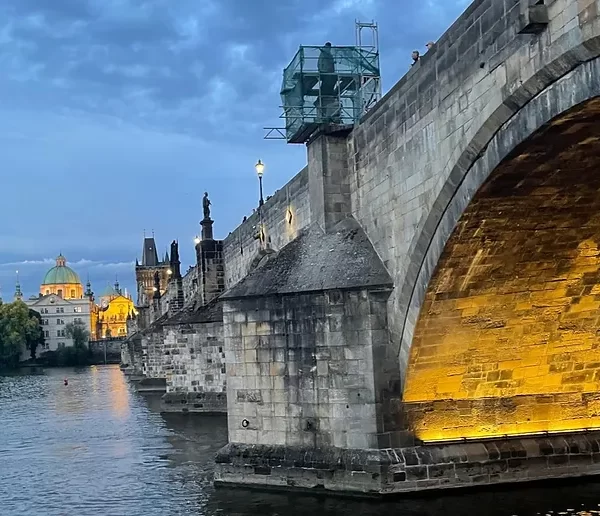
pixel 97 447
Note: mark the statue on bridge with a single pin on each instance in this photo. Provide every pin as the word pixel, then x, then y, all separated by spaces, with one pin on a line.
pixel 206 206
pixel 174 251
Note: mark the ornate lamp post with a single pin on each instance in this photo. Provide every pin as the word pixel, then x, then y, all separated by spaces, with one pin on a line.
pixel 260 168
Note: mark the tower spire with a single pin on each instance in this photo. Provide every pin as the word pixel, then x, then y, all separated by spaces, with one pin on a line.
pixel 88 287
pixel 18 293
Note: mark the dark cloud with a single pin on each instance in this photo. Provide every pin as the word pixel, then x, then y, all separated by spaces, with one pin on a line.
pixel 116 114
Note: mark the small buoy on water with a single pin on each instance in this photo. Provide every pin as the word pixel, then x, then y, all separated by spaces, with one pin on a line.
pixel 66 382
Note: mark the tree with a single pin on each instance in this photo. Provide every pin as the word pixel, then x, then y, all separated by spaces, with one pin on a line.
pixel 18 329
pixel 33 340
pixel 79 334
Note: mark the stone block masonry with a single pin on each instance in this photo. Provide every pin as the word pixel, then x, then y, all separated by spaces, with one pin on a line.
pixel 151 346
pixel 194 361
pixel 312 380
pixel 508 334
pixel 283 216
pixel 436 128
pixel 402 470
pixel 308 355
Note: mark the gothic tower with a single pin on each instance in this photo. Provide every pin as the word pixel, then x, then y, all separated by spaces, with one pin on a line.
pixel 145 272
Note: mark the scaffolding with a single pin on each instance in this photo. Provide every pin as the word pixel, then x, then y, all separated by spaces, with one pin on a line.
pixel 329 86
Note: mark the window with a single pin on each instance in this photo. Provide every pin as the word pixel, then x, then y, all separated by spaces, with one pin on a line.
pixel 77 309
pixel 46 334
pixel 77 320
pixel 72 292
pixel 45 322
pixel 60 321
pixel 61 344
pixel 47 292
pixel 59 292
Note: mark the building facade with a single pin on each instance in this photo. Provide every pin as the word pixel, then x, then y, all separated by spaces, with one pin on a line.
pixel 62 301
pixel 57 312
pixel 113 309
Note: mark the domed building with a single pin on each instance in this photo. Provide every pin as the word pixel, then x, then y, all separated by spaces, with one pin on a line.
pixel 62 281
pixel 61 302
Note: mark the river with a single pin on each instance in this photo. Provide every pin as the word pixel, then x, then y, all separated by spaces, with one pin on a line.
pixel 97 447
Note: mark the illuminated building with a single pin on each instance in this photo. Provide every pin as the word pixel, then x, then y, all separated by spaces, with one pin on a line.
pixel 62 301
pixel 112 313
pixel 62 281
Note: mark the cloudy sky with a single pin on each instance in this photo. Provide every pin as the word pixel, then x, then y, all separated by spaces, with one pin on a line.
pixel 115 116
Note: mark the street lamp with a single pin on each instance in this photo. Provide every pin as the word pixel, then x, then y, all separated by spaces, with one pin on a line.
pixel 260 169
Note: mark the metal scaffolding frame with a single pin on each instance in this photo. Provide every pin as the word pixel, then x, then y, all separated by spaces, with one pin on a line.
pixel 329 86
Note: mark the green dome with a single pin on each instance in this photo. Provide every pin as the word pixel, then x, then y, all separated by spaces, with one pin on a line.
pixel 61 274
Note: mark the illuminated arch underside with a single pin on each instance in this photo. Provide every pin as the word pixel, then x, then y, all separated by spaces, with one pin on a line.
pixel 508 337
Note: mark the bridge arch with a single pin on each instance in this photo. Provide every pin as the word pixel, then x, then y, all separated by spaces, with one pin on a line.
pixel 561 114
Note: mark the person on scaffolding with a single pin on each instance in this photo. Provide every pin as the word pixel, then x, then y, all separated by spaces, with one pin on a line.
pixel 329 103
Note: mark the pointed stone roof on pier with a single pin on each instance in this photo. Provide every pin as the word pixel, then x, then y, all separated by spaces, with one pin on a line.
pixel 317 261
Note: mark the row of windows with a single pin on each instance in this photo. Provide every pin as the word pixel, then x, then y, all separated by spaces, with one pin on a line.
pixel 46 322
pixel 61 310
pixel 59 292
pixel 59 333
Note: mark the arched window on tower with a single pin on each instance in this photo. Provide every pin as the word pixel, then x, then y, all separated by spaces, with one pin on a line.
pixel 72 293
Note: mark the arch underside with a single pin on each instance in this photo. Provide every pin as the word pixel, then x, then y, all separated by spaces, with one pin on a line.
pixel 508 337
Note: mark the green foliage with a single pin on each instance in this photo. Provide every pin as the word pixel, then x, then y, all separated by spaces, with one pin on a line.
pixel 79 334
pixel 66 357
pixel 76 355
pixel 19 330
pixel 35 341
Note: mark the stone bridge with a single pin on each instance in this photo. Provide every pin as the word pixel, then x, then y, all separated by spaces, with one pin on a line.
pixel 419 307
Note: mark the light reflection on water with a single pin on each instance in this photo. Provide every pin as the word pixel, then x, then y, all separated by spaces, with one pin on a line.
pixel 96 447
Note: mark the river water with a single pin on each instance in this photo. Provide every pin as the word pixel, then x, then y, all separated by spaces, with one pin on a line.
pixel 96 447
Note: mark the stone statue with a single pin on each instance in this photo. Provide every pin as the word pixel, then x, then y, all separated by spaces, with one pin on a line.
pixel 174 252
pixel 206 206
pixel 156 285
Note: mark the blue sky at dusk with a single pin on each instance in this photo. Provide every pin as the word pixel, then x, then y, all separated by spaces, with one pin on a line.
pixel 116 115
